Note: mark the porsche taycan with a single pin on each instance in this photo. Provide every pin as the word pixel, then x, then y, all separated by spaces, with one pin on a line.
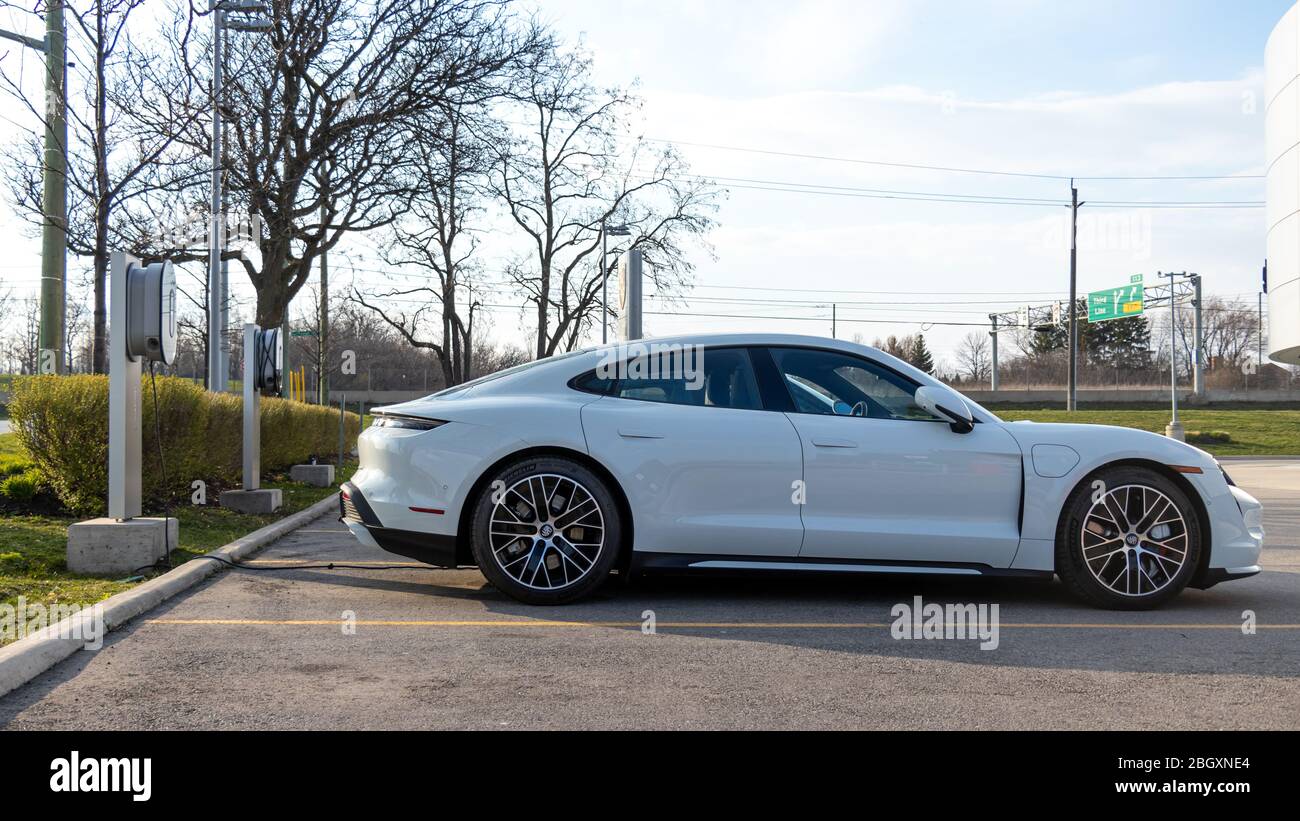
pixel 776 453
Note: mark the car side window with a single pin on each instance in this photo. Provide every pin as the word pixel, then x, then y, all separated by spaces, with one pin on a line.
pixel 717 377
pixel 829 382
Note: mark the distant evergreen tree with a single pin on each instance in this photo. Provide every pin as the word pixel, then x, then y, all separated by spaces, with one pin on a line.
pixel 1119 343
pixel 919 355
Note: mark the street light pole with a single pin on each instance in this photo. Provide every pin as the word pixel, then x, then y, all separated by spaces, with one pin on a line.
pixel 246 19
pixel 618 231
pixel 604 291
pixel 1072 394
pixel 216 379
pixel 1174 430
pixel 54 192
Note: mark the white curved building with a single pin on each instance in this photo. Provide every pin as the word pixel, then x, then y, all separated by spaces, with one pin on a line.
pixel 1282 141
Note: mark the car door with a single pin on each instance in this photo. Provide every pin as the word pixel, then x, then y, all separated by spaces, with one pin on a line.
pixel 705 468
pixel 885 480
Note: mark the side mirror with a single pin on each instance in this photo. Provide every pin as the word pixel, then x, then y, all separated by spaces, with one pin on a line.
pixel 945 403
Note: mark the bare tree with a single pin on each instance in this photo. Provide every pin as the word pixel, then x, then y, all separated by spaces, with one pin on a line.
pixel 319 118
pixel 973 356
pixel 435 236
pixel 112 162
pixel 574 166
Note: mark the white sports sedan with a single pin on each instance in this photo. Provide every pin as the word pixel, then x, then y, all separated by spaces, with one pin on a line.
pixel 765 453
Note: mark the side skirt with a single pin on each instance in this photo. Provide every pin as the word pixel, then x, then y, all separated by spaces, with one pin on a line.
pixel 704 562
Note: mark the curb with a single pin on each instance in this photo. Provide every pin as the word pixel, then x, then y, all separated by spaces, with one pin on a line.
pixel 1260 458
pixel 27 658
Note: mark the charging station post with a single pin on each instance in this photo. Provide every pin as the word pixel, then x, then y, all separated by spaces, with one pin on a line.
pixel 263 365
pixel 142 326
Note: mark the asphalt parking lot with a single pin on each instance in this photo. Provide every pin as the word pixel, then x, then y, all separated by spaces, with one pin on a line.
pixel 255 649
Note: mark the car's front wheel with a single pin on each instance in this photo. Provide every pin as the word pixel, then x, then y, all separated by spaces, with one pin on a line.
pixel 546 530
pixel 1129 539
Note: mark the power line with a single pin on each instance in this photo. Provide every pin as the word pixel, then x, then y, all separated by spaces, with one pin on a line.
pixel 999 199
pixel 949 169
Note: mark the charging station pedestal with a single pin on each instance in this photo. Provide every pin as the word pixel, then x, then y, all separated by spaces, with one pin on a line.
pixel 263 359
pixel 142 325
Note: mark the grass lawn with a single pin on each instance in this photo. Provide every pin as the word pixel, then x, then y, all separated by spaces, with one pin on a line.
pixel 1250 432
pixel 33 549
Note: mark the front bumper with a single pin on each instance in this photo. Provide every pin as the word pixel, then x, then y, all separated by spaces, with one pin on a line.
pixel 431 548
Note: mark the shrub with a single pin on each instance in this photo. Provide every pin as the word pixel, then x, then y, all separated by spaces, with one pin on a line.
pixel 20 487
pixel 1209 437
pixel 62 422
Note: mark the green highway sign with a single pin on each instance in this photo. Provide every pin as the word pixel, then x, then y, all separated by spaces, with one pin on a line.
pixel 1115 303
pixel 302 333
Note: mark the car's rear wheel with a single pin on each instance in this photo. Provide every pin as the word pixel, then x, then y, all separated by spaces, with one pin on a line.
pixel 1129 540
pixel 546 530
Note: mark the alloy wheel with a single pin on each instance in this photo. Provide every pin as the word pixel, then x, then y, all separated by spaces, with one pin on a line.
pixel 1134 540
pixel 546 531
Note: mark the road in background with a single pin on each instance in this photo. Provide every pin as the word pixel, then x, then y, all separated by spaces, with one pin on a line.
pixel 442 649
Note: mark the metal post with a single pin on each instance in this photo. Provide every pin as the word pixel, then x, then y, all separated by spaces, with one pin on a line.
pixel 833 317
pixel 993 377
pixel 1074 329
pixel 1259 336
pixel 1198 361
pixel 123 401
pixel 252 412
pixel 322 340
pixel 284 334
pixel 604 292
pixel 343 405
pixel 216 228
pixel 1174 430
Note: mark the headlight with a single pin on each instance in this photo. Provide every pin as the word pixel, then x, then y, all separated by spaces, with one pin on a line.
pixel 406 422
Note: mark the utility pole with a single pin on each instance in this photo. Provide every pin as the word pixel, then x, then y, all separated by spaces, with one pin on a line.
pixel 54 192
pixel 834 306
pixel 1071 395
pixel 1198 341
pixel 993 376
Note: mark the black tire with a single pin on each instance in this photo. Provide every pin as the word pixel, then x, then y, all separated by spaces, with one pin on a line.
pixel 545 562
pixel 1113 560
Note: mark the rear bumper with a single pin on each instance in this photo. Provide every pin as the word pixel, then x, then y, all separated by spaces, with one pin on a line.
pixel 430 548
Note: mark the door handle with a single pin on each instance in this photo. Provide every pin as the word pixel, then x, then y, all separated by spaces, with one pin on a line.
pixel 639 434
pixel 834 443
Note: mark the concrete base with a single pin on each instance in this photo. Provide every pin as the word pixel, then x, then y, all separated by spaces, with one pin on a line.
pixel 107 547
pixel 266 500
pixel 1174 430
pixel 314 475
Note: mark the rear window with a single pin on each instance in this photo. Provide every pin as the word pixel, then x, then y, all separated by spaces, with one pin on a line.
pixel 464 386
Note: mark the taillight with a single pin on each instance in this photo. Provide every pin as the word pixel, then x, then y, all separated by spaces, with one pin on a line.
pixel 406 422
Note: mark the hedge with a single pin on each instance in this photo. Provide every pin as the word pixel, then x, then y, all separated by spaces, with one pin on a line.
pixel 62 422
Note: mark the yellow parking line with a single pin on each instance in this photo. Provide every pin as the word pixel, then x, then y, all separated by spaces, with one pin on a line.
pixel 759 625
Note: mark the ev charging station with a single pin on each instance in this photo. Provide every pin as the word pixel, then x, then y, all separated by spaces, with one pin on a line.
pixel 142 327
pixel 263 370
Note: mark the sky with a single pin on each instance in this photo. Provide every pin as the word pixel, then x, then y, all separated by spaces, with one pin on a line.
pixel 1036 91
